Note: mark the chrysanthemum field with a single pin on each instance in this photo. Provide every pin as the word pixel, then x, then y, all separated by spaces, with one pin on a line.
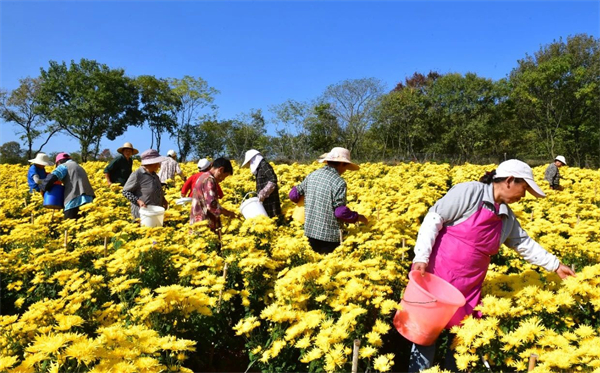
pixel 102 294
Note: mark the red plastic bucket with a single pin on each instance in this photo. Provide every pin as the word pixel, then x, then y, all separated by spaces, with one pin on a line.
pixel 428 304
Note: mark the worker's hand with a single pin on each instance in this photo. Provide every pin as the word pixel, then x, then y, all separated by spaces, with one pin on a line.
pixel 108 182
pixel 563 271
pixel 363 219
pixel 419 266
pixel 141 203
pixel 228 213
pixel 165 204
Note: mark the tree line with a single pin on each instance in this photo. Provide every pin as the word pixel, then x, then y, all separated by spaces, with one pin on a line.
pixel 548 104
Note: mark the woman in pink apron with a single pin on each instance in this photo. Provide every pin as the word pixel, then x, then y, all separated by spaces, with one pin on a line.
pixel 464 228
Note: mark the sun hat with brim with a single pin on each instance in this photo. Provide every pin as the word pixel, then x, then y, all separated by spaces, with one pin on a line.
pixel 249 155
pixel 519 169
pixel 41 159
pixel 340 155
pixel 127 145
pixel 561 159
pixel 203 164
pixel 151 156
pixel 61 156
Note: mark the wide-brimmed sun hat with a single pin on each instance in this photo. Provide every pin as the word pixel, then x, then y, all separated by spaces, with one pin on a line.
pixel 519 169
pixel 249 155
pixel 203 164
pixel 151 156
pixel 561 159
pixel 61 156
pixel 127 145
pixel 340 155
pixel 41 159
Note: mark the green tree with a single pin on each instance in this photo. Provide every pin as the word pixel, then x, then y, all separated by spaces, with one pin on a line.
pixel 245 133
pixel 324 130
pixel 211 134
pixel 159 105
pixel 10 152
pixel 556 94
pixel 21 107
pixel 88 100
pixel 194 95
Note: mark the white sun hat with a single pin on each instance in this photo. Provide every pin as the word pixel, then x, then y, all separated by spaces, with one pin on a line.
pixel 203 164
pixel 42 159
pixel 249 155
pixel 561 159
pixel 521 170
pixel 171 152
pixel 339 155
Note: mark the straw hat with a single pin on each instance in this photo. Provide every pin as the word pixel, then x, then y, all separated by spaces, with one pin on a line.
pixel 249 155
pixel 41 159
pixel 127 145
pixel 519 169
pixel 340 155
pixel 151 156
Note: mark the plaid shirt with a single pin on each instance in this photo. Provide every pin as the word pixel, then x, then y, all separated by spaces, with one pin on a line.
pixel 324 190
pixel 264 174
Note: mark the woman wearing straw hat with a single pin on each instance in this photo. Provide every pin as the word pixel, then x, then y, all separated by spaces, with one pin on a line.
pixel 37 172
pixel 119 169
pixel 143 187
pixel 266 182
pixel 552 174
pixel 324 193
pixel 464 228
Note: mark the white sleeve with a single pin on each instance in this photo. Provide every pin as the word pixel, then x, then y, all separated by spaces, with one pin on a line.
pixel 430 228
pixel 530 250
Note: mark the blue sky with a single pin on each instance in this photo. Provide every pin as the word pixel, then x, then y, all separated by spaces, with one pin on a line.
pixel 261 53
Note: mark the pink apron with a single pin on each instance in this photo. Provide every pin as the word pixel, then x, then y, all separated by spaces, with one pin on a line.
pixel 461 256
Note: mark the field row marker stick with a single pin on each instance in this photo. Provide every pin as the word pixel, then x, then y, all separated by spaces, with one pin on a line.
pixel 32 220
pixel 105 244
pixel 578 220
pixel 355 356
pixel 225 267
pixel 532 361
pixel 66 237
pixel 531 214
pixel 403 247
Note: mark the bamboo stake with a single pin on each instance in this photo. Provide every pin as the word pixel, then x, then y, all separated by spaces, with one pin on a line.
pixel 355 356
pixel 105 244
pixel 531 214
pixel 403 247
pixel 532 361
pixel 32 220
pixel 225 267
pixel 578 219
pixel 66 237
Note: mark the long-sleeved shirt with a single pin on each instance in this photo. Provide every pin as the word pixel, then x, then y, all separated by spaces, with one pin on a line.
pixel 324 193
pixel 34 175
pixel 205 201
pixel 552 175
pixel 459 204
pixel 264 175
pixel 119 169
pixel 168 169
pixel 143 185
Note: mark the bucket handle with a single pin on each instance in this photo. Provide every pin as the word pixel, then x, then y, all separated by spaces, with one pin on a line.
pixel 414 302
pixel 243 199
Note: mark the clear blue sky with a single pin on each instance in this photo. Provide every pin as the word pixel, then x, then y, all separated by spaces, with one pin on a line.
pixel 261 53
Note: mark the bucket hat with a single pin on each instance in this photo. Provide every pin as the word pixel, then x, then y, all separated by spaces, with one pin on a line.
pixel 561 159
pixel 203 164
pixel 249 155
pixel 127 145
pixel 340 155
pixel 151 156
pixel 519 169
pixel 61 156
pixel 42 159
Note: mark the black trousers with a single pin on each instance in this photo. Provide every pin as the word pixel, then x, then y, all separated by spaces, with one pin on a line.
pixel 322 247
pixel 72 213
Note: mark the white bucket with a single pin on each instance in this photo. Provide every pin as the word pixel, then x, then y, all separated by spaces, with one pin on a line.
pixel 252 207
pixel 152 216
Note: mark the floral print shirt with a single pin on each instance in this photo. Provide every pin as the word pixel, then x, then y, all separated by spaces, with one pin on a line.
pixel 205 201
